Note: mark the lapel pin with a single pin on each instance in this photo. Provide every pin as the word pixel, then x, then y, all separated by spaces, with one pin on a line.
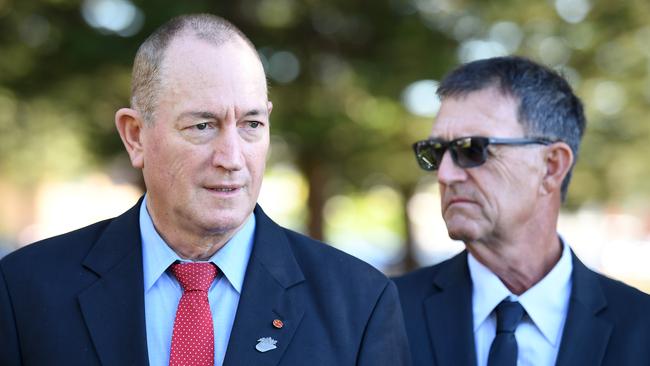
pixel 266 344
pixel 278 324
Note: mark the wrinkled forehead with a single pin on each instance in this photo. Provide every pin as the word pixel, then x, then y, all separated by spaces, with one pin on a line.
pixel 486 112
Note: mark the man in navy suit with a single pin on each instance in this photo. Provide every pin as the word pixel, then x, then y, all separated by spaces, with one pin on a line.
pixel 503 146
pixel 111 293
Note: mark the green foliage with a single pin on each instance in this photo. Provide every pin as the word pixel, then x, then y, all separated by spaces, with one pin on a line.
pixel 61 81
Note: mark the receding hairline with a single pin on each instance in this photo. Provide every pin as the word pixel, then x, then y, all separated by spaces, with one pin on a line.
pixel 147 67
pixel 186 35
pixel 208 27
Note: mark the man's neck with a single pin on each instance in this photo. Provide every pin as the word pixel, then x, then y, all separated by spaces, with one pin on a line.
pixel 196 248
pixel 192 245
pixel 520 263
pixel 188 239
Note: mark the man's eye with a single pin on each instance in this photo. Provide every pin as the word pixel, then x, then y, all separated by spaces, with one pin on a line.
pixel 254 124
pixel 201 126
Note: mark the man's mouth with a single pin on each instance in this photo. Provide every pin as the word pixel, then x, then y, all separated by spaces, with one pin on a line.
pixel 223 189
pixel 460 200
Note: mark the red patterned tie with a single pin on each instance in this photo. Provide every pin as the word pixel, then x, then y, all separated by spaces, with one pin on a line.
pixel 193 338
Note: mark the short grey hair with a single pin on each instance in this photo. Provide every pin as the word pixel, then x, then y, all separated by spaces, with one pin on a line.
pixel 548 107
pixel 146 81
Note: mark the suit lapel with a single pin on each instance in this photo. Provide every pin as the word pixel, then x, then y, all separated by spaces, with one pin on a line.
pixel 586 335
pixel 113 307
pixel 449 315
pixel 269 292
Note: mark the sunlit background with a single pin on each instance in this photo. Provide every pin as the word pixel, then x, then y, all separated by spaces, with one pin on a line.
pixel 353 85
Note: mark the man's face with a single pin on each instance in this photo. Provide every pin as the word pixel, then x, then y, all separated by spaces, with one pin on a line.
pixel 482 203
pixel 205 153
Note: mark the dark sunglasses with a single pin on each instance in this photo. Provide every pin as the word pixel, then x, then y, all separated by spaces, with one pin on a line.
pixel 466 152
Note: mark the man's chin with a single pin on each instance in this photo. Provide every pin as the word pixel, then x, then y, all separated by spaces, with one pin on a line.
pixel 460 237
pixel 462 233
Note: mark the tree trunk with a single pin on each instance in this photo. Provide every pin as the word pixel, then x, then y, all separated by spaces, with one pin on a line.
pixel 316 179
pixel 409 261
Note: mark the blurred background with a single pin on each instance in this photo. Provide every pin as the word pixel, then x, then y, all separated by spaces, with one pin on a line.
pixel 353 85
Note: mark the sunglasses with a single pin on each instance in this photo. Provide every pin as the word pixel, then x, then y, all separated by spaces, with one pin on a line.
pixel 466 152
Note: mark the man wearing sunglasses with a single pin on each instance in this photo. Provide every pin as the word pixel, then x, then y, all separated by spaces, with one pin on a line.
pixel 503 148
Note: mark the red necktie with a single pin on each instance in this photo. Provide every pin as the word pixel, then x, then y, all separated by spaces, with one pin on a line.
pixel 193 337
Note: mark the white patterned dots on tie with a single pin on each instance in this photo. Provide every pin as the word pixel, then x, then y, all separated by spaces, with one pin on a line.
pixel 193 336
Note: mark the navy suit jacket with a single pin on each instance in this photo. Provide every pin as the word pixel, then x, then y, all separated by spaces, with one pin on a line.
pixel 608 322
pixel 78 299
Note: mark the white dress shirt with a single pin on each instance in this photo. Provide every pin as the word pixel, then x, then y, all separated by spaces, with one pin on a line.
pixel 162 292
pixel 546 303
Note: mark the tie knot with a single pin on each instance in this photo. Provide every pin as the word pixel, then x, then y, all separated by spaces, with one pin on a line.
pixel 194 276
pixel 509 314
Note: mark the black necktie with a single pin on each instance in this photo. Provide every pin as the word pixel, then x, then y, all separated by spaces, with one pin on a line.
pixel 503 351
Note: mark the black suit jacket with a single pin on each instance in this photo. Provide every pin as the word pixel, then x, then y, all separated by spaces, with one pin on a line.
pixel 78 299
pixel 608 322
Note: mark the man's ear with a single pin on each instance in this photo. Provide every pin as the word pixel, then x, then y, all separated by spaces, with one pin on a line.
pixel 269 107
pixel 559 160
pixel 130 125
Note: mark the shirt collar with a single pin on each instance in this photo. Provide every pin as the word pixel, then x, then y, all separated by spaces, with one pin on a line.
pixel 232 258
pixel 487 290
pixel 157 256
pixel 546 303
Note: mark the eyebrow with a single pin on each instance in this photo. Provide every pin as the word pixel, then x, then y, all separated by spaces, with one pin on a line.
pixel 210 115
pixel 253 112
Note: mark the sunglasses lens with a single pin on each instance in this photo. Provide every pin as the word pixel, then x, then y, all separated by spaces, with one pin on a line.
pixel 470 152
pixel 427 157
pixel 466 152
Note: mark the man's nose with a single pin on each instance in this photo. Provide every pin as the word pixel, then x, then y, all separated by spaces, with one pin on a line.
pixel 449 172
pixel 228 150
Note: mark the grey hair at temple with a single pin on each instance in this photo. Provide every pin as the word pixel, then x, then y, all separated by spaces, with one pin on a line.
pixel 548 108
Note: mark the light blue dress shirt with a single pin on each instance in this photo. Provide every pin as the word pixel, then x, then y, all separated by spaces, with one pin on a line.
pixel 547 303
pixel 162 291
